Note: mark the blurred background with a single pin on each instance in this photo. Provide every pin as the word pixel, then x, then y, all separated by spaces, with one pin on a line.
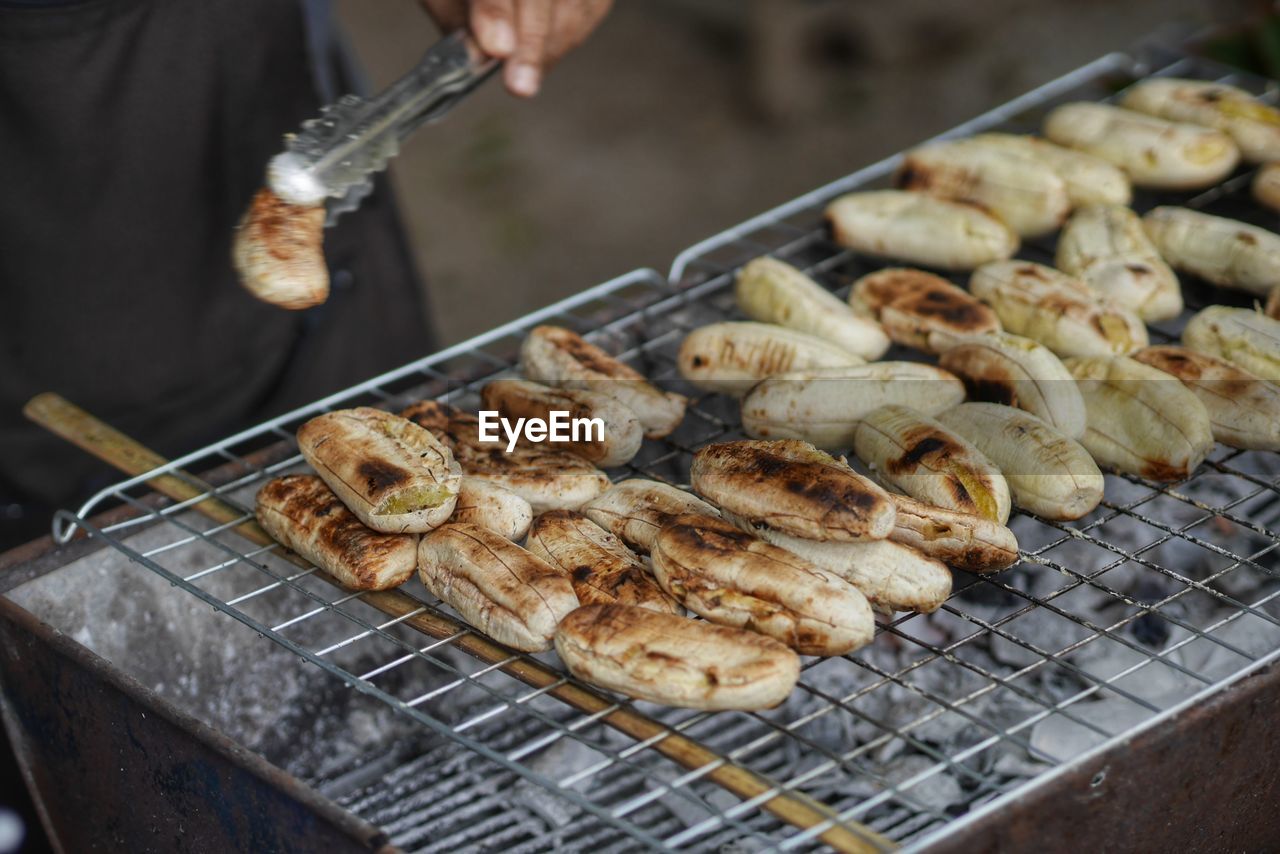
pixel 680 118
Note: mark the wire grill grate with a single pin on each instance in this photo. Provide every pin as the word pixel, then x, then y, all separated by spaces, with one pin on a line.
pixel 1163 594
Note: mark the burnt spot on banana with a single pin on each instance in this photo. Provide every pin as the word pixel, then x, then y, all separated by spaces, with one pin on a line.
pixel 991 390
pixel 921 444
pixel 380 476
pixel 956 309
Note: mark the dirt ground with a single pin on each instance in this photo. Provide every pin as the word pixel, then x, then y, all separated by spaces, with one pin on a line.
pixel 682 117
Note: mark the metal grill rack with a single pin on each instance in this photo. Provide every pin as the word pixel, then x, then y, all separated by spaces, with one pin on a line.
pixel 1109 625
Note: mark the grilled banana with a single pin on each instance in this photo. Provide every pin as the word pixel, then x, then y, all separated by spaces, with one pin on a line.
pixel 1156 153
pixel 913 305
pixel 773 291
pixel 794 488
pixel 1223 251
pixel 732 357
pixel 1243 336
pixel 1058 311
pixel 556 356
pixel 301 513
pixel 1105 247
pixel 691 664
pixel 394 475
pixel 1048 474
pixel 278 254
pixel 1244 411
pixel 1253 125
pixel 601 569
pixel 1266 185
pixel 1024 192
pixel 614 445
pixel 916 454
pixel 892 576
pixel 919 229
pixel 635 510
pixel 1141 420
pixel 1089 180
pixel 822 406
pixel 499 588
pixel 962 540
pixel 548 478
pixel 1010 369
pixel 483 503
pixel 729 577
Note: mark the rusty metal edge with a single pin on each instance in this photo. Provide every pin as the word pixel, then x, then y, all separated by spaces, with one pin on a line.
pixel 1199 777
pixel 361 832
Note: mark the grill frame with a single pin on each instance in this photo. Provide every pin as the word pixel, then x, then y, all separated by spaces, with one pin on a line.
pixel 693 279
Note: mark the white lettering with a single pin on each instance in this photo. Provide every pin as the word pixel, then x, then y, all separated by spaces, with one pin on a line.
pixel 557 427
pixel 513 433
pixel 488 426
pixel 589 425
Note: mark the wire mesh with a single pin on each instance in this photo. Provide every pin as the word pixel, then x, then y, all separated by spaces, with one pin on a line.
pixel 1165 593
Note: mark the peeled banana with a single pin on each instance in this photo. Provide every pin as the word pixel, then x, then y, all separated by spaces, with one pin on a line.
pixel 1049 475
pixel 1154 152
pixel 732 357
pixel 913 305
pixel 1058 311
pixel 773 291
pixel 1089 180
pixel 1246 337
pixel 919 229
pixel 916 454
pixel 1022 191
pixel 1141 420
pixel 962 540
pixel 1266 185
pixel 1223 251
pixel 1105 247
pixel 822 406
pixel 1244 411
pixel 1007 368
pixel 1254 126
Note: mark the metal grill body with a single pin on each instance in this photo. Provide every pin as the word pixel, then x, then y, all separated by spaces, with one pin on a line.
pixel 1106 628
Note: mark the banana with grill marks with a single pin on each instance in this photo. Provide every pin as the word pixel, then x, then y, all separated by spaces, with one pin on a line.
pixel 915 306
pixel 1058 311
pixel 732 357
pixel 675 661
pixel 635 510
pixel 1244 411
pixel 892 576
pixel 1243 336
pixel 730 577
pixel 1049 475
pixel 1141 420
pixel 488 505
pixel 773 291
pixel 1022 191
pixel 919 229
pixel 1105 247
pixel 556 356
pixel 394 475
pixel 601 569
pixel 794 488
pixel 823 406
pixel 1010 369
pixel 615 445
pixel 962 540
pixel 916 454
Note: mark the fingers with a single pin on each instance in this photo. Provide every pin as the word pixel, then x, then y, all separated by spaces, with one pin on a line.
pixel 524 68
pixel 493 23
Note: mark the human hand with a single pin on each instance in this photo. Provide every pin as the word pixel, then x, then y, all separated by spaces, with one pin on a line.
pixel 531 35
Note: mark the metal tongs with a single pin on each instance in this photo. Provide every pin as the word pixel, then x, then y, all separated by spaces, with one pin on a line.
pixel 333 157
